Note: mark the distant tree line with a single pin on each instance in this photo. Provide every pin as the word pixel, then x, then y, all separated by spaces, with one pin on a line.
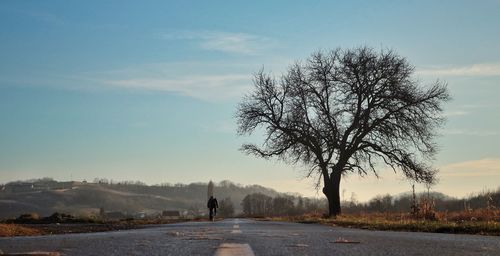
pixel 105 181
pixel 436 201
pixel 257 204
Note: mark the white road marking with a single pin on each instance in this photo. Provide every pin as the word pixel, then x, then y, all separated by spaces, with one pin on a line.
pixel 236 228
pixel 226 249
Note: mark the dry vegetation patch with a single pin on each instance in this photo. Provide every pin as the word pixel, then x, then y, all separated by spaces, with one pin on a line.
pixel 32 225
pixel 7 230
pixel 481 222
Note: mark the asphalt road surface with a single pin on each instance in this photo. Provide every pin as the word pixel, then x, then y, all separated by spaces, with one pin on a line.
pixel 248 237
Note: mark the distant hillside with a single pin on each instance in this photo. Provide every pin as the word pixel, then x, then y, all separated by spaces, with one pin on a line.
pixel 46 196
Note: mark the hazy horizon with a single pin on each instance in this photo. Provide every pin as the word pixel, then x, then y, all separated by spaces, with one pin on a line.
pixel 148 91
pixel 344 196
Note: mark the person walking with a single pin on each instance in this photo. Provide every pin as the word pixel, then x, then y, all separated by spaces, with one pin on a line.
pixel 212 206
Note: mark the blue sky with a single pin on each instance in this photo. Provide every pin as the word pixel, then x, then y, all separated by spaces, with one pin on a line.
pixel 147 90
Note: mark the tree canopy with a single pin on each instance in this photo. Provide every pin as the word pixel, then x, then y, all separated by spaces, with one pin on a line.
pixel 346 111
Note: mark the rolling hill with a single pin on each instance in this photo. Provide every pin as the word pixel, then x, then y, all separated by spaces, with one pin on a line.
pixel 45 196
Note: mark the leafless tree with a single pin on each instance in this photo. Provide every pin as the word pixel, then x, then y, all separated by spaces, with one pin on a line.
pixel 346 111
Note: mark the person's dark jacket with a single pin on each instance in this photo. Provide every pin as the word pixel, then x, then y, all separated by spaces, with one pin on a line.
pixel 212 203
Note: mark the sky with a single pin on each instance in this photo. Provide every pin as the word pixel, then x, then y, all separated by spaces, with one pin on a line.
pixel 147 90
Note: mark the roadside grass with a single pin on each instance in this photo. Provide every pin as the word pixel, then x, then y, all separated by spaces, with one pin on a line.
pixel 79 225
pixel 459 223
pixel 7 230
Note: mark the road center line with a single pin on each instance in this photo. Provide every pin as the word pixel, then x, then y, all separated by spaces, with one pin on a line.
pixel 226 249
pixel 236 226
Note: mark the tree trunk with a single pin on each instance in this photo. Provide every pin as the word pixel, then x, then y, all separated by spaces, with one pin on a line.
pixel 332 193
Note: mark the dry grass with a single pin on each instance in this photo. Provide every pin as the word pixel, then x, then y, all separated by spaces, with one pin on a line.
pixel 35 229
pixel 471 215
pixel 481 222
pixel 7 230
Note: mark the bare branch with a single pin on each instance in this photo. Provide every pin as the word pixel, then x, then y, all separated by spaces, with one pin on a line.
pixel 346 111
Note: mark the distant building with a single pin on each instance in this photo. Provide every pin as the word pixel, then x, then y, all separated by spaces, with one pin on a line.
pixel 140 215
pixel 40 186
pixel 192 213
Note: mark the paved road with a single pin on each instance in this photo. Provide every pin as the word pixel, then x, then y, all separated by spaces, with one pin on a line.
pixel 248 237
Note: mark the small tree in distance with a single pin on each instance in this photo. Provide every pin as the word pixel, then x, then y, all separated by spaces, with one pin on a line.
pixel 226 207
pixel 345 111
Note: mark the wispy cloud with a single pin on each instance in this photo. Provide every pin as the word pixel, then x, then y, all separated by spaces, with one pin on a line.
pixel 237 43
pixel 483 69
pixel 480 133
pixel 470 109
pixel 480 167
pixel 206 80
pixel 208 87
pixel 456 113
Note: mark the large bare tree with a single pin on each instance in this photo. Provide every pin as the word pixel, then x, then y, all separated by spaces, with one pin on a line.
pixel 346 111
